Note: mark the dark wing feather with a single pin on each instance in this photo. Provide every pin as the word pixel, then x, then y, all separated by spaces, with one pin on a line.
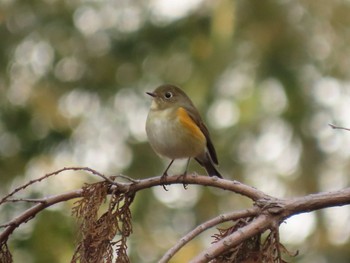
pixel 194 114
pixel 210 145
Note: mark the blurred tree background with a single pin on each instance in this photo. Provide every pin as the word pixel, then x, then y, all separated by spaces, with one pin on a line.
pixel 268 77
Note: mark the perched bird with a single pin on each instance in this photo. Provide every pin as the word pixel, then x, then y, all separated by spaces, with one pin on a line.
pixel 175 129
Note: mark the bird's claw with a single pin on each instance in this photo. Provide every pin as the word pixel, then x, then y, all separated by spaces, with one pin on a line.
pixel 183 176
pixel 163 181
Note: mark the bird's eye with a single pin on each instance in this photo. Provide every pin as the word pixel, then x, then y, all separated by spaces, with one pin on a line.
pixel 168 95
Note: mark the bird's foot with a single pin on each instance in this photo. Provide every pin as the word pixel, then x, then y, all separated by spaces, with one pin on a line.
pixel 183 176
pixel 163 181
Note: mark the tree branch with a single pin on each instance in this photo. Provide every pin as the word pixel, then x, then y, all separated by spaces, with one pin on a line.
pixel 22 187
pixel 267 211
pixel 31 212
pixel 274 212
pixel 134 186
pixel 258 225
pixel 208 224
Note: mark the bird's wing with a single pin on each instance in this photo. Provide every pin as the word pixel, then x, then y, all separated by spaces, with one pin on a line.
pixel 194 114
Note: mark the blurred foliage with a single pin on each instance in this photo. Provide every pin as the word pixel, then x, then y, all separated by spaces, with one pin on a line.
pixel 268 76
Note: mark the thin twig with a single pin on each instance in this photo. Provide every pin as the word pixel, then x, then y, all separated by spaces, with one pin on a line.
pixel 338 127
pixel 126 178
pixel 276 236
pixel 5 225
pixel 92 171
pixel 22 187
pixel 29 200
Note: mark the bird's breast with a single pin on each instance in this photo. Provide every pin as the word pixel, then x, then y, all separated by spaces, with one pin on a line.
pixel 172 133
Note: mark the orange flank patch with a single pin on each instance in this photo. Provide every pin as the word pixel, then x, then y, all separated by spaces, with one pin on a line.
pixel 189 124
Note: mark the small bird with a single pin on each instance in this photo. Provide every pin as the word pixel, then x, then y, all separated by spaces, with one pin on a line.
pixel 175 129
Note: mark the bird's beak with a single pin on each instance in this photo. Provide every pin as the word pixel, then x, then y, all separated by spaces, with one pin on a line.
pixel 151 94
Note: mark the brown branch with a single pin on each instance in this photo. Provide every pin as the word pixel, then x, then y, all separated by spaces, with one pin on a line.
pixel 28 200
pixel 268 211
pixel 317 201
pixel 259 225
pixel 206 225
pixel 22 187
pixel 224 184
pixel 275 212
pixel 30 213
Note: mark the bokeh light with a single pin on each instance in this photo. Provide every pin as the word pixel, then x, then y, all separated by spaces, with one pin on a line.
pixel 267 76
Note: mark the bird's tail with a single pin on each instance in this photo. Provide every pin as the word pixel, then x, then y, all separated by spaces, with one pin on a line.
pixel 209 167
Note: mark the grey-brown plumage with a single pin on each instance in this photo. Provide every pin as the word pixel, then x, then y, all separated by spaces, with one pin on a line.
pixel 175 129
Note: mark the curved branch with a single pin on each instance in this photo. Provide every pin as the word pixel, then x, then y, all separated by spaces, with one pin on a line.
pixel 224 184
pixel 269 211
pixel 258 225
pixel 134 186
pixel 31 212
pixel 274 212
pixel 206 225
pixel 31 182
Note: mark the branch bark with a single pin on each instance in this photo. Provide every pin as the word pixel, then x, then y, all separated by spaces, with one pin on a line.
pixel 259 225
pixel 33 211
pixel 133 186
pixel 268 211
pixel 273 213
pixel 210 223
